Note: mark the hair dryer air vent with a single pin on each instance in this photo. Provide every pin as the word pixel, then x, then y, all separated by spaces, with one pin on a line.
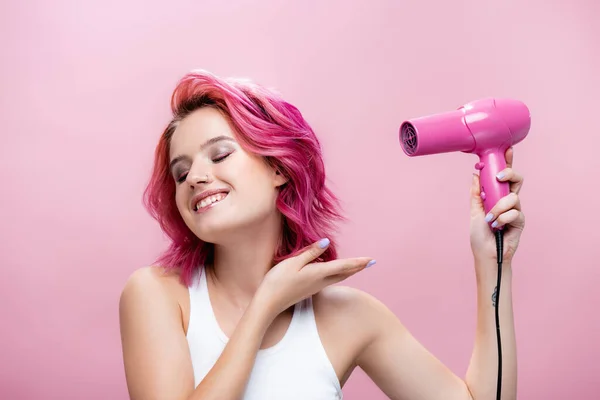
pixel 408 137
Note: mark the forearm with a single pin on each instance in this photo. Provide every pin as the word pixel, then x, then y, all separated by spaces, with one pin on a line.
pixel 229 376
pixel 482 373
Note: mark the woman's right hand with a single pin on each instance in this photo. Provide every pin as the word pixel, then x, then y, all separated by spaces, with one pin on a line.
pixel 297 278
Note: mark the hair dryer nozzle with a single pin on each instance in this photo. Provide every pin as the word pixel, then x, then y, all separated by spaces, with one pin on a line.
pixel 439 133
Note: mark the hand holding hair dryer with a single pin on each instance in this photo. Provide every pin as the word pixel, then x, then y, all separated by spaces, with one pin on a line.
pixel 486 127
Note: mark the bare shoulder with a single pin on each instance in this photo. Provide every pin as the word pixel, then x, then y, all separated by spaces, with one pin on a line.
pixel 349 320
pixel 155 352
pixel 148 283
pixel 152 287
pixel 341 298
pixel 150 277
pixel 144 293
pixel 352 306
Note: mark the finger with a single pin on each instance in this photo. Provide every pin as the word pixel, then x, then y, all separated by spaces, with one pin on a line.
pixel 508 156
pixel 347 272
pixel 342 266
pixel 333 279
pixel 312 252
pixel 514 178
pixel 504 204
pixel 511 217
pixel 476 201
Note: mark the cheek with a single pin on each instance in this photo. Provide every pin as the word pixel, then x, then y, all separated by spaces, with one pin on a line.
pixel 180 201
pixel 256 178
pixel 260 189
pixel 240 171
pixel 249 176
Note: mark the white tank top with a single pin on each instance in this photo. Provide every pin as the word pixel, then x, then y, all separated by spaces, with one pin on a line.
pixel 297 367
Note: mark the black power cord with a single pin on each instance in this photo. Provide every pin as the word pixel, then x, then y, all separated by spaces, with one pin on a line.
pixel 499 252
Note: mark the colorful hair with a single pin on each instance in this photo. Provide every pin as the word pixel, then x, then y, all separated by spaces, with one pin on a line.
pixel 267 126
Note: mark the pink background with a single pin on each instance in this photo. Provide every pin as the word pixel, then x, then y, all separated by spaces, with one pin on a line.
pixel 85 91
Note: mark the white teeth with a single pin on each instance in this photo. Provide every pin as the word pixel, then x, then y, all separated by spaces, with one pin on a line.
pixel 210 200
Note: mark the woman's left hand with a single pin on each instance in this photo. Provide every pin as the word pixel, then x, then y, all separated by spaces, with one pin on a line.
pixel 507 212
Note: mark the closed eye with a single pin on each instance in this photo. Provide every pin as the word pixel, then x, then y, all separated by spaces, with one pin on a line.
pixel 182 178
pixel 221 158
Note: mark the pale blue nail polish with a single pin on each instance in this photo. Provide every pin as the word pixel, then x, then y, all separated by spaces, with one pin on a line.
pixel 323 243
pixel 371 263
pixel 489 217
pixel 500 175
pixel 494 224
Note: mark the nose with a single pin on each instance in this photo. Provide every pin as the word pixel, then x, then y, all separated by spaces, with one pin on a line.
pixel 196 180
pixel 197 176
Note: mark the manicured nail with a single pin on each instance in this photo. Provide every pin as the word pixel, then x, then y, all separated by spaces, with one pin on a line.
pixel 500 175
pixel 494 224
pixel 371 263
pixel 323 243
pixel 489 217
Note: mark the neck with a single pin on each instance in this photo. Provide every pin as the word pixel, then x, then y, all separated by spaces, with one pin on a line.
pixel 241 264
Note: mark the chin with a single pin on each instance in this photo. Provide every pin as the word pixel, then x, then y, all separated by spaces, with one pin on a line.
pixel 209 229
pixel 214 228
pixel 214 234
pixel 225 229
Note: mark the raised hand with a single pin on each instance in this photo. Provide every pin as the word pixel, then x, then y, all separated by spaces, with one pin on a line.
pixel 506 213
pixel 298 278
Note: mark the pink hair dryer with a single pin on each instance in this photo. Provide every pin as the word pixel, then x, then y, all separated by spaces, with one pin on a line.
pixel 486 127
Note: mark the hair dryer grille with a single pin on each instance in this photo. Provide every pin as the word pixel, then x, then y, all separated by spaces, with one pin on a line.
pixel 408 136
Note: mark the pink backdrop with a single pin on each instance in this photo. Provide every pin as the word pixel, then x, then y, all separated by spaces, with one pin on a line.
pixel 85 91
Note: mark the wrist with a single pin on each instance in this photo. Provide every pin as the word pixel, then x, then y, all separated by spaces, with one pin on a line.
pixel 487 268
pixel 261 308
pixel 487 261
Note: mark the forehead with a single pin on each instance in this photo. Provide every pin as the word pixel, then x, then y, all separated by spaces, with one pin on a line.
pixel 197 128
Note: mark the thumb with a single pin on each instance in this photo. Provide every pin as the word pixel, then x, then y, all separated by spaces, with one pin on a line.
pixel 312 252
pixel 476 202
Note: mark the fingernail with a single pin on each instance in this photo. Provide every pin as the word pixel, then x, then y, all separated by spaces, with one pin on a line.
pixel 323 243
pixel 494 224
pixel 500 175
pixel 489 217
pixel 371 263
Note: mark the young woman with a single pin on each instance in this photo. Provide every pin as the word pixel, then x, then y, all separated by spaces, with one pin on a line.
pixel 241 305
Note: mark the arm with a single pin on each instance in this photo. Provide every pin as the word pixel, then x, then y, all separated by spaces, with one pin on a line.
pixel 399 365
pixel 156 354
pixel 404 369
pixel 483 369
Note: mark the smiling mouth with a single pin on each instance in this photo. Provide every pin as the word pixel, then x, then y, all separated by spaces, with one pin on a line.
pixel 209 201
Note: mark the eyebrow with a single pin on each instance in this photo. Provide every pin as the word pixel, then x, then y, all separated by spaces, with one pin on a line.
pixel 204 145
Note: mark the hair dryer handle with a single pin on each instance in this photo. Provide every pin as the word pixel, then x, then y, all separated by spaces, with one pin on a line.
pixel 491 162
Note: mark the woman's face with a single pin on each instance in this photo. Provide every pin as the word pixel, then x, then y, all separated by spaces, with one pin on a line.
pixel 220 188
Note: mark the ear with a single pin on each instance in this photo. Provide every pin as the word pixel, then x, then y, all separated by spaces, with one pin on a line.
pixel 279 179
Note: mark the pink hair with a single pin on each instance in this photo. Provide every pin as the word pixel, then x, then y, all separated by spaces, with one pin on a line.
pixel 268 126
